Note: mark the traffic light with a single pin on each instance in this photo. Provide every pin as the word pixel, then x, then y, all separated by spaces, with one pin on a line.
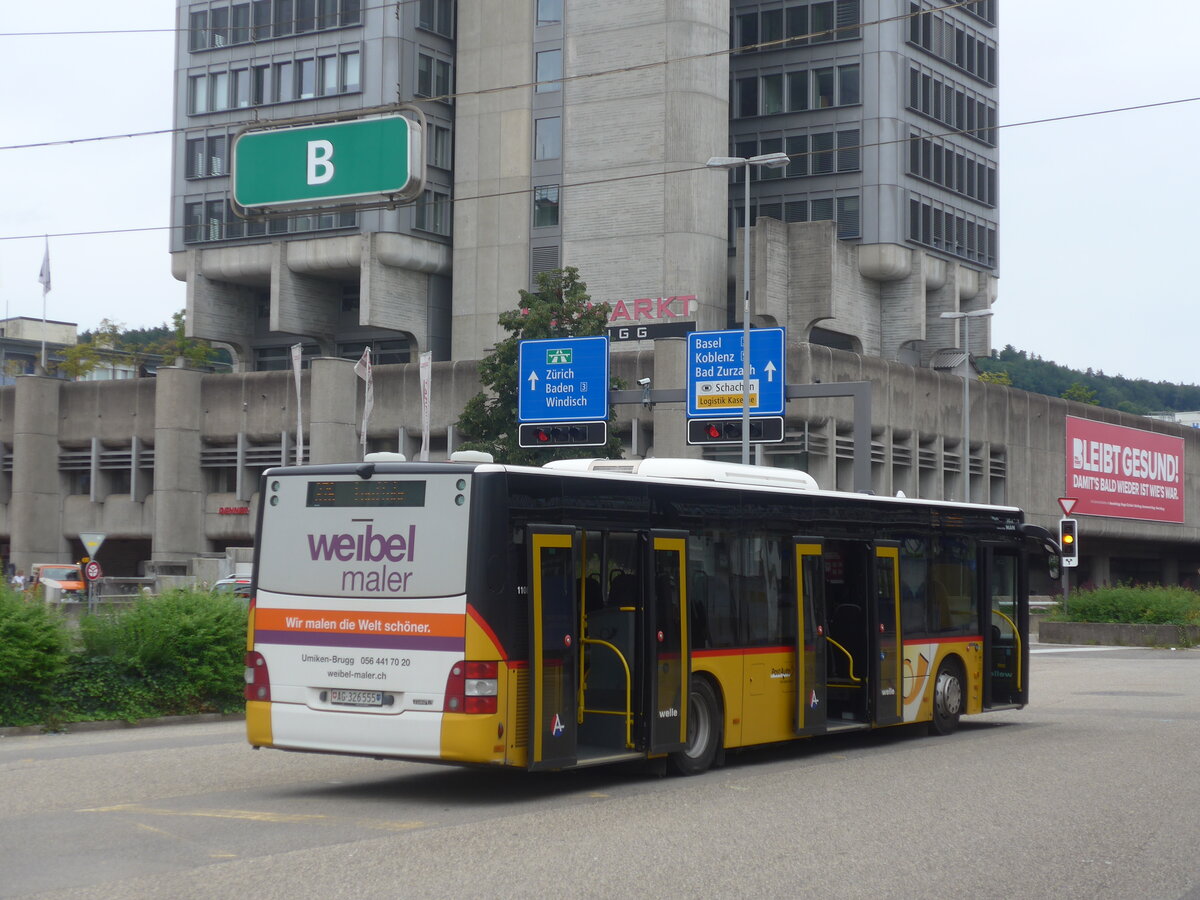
pixel 1068 541
pixel 563 434
pixel 763 429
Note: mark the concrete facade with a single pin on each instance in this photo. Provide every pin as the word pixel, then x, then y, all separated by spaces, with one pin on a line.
pixel 168 467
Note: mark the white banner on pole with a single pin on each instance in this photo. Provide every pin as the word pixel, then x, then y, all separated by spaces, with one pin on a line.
pixel 363 370
pixel 426 367
pixel 297 352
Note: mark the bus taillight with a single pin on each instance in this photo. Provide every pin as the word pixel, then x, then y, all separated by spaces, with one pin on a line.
pixel 472 687
pixel 258 679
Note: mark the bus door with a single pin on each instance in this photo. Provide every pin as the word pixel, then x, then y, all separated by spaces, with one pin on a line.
pixel 553 654
pixel 811 676
pixel 1006 627
pixel 667 653
pixel 886 656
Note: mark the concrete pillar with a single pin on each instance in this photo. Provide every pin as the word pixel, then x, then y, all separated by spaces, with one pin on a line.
pixel 333 408
pixel 36 505
pixel 670 419
pixel 178 480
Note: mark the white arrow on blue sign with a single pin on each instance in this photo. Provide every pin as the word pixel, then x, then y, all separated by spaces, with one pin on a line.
pixel 714 373
pixel 563 380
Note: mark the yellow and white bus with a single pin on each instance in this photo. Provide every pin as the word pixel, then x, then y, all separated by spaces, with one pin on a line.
pixel 593 611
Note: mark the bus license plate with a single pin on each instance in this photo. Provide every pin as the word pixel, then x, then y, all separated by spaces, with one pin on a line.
pixel 356 698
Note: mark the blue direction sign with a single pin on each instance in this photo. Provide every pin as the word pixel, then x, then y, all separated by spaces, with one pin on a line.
pixel 714 373
pixel 563 380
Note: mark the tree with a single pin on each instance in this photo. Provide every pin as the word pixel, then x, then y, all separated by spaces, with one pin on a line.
pixel 999 376
pixel 560 307
pixel 1081 394
pixel 177 345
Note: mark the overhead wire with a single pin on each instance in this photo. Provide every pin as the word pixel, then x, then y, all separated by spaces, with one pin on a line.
pixel 686 169
pixel 775 44
pixel 772 44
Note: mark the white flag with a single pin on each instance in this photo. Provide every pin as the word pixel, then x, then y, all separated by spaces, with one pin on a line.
pixel 297 355
pixel 426 371
pixel 363 370
pixel 44 275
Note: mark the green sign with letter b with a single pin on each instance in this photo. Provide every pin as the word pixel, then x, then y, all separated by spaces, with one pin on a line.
pixel 373 160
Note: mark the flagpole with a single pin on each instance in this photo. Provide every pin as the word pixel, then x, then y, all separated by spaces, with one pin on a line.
pixel 44 278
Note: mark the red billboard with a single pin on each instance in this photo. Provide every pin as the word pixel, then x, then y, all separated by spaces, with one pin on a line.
pixel 1124 473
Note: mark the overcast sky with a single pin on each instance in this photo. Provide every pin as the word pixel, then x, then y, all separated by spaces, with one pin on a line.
pixel 1098 215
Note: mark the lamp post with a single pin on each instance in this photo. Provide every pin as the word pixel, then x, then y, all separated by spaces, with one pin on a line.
pixel 771 161
pixel 966 402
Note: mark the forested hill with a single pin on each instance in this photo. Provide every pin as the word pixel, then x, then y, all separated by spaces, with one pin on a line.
pixel 1133 395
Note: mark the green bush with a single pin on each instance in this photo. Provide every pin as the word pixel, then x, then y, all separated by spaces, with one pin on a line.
pixel 181 651
pixel 34 652
pixel 1127 604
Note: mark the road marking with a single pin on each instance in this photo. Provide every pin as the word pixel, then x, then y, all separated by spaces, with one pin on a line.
pixel 1066 649
pixel 257 816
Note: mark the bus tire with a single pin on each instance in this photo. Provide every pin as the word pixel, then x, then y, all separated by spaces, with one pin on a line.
pixel 703 730
pixel 949 695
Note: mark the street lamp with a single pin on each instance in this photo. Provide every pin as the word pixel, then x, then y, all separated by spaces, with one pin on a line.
pixel 771 161
pixel 966 404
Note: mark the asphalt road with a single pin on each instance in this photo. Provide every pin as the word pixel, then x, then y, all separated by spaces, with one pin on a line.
pixel 1091 792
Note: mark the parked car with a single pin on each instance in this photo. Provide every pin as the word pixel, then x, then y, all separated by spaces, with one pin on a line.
pixel 234 584
pixel 58 581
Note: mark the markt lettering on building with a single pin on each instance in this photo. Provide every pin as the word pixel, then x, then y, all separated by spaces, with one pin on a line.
pixel 663 309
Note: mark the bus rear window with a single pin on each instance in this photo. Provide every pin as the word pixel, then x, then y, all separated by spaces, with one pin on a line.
pixel 375 493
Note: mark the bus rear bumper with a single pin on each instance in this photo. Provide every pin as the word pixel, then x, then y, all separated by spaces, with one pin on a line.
pixel 294 726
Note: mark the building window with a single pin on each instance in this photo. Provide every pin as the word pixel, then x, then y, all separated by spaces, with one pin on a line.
pixel 198 30
pixel 306 78
pixel 549 12
pixel 821 88
pixel 351 72
pixel 284 82
pixel 747 92
pixel 432 213
pixel 441 147
pixel 327 75
pixel 549 70
pixel 197 94
pixel 952 231
pixel 545 206
pixel 959 45
pixel 772 94
pixel 433 77
pixel 436 16
pixel 284 17
pixel 218 91
pixel 218 26
pixel 960 108
pixel 547 138
pixel 817 23
pixel 206 156
pixel 950 167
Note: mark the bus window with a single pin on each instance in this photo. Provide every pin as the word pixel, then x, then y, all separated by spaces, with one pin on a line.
pixel 953 603
pixel 914 585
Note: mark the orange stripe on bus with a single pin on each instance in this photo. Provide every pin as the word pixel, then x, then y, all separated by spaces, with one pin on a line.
pixel 341 622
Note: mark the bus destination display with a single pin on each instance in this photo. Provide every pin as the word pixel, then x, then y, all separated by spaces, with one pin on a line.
pixel 366 493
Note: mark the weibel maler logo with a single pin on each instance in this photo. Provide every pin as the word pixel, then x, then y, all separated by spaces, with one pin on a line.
pixel 368 547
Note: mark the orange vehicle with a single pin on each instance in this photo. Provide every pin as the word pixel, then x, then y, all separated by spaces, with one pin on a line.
pixel 58 581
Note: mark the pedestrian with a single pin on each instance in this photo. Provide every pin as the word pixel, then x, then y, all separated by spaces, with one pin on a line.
pixel 18 581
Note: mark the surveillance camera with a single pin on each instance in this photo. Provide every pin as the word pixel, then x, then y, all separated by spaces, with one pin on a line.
pixel 643 381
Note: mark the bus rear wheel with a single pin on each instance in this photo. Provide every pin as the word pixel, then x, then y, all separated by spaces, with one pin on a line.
pixel 703 731
pixel 948 696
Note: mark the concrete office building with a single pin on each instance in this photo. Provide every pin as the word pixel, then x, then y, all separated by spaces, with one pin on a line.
pixel 577 135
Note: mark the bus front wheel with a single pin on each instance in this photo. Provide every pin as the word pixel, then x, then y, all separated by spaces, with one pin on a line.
pixel 703 730
pixel 948 697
